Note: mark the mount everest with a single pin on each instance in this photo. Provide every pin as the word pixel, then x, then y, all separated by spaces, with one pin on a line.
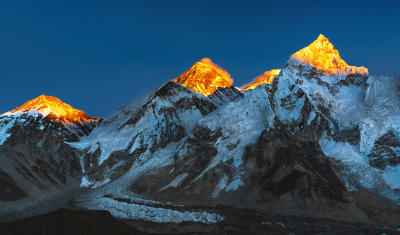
pixel 315 139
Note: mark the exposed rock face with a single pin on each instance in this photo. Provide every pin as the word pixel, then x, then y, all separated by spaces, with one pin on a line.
pixel 42 159
pixel 386 151
pixel 225 95
pixel 295 110
pixel 287 164
pixel 306 98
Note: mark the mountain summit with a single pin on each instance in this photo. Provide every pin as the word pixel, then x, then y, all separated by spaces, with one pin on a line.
pixel 266 77
pixel 205 77
pixel 53 107
pixel 322 55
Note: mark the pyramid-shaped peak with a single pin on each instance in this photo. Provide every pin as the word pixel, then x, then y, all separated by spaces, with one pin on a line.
pixel 208 64
pixel 322 37
pixel 53 107
pixel 205 77
pixel 322 55
pixel 324 43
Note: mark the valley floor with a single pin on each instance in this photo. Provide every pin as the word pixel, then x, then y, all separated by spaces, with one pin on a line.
pixel 236 221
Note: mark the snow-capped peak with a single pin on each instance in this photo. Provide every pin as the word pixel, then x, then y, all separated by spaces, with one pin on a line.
pixel 205 77
pixel 322 55
pixel 266 77
pixel 53 107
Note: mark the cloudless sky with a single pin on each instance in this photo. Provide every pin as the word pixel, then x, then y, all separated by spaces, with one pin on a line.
pixel 99 55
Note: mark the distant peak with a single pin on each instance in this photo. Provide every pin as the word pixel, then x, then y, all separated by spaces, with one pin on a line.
pixel 43 99
pixel 322 55
pixel 207 61
pixel 52 107
pixel 266 77
pixel 205 77
pixel 322 37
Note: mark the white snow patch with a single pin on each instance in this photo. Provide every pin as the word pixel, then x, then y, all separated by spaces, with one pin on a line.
pixel 220 186
pixel 311 118
pixel 125 210
pixel 225 184
pixel 135 145
pixel 32 113
pixel 176 182
pixel 85 183
pixel 234 184
pixel 79 145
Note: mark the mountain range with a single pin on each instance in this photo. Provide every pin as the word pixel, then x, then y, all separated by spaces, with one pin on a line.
pixel 317 140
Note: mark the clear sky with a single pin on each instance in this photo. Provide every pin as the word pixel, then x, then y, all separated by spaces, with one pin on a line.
pixel 99 55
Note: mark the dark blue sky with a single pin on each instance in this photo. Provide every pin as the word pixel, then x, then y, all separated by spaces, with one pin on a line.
pixel 99 55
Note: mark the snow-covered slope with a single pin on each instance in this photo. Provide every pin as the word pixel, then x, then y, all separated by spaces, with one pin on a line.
pixel 311 91
pixel 140 129
pixel 218 141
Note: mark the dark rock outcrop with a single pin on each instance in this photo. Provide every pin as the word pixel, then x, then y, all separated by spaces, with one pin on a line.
pixel 386 151
pixel 224 95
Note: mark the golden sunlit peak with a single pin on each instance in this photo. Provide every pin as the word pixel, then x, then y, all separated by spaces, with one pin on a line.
pixel 54 108
pixel 322 55
pixel 205 77
pixel 266 77
pixel 207 61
